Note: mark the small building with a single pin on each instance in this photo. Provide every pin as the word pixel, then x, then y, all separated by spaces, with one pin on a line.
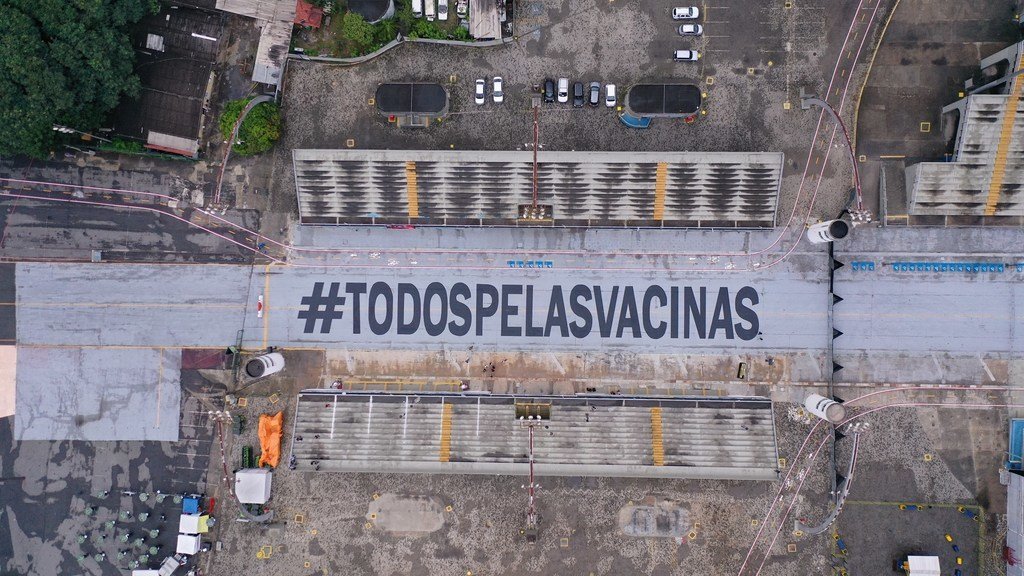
pixel 276 19
pixel 308 15
pixel 175 53
pixel 412 104
pixel 486 21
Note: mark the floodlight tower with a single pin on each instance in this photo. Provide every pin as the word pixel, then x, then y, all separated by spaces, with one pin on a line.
pixel 532 519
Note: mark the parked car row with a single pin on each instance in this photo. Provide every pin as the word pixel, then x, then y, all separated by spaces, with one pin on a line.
pixel 497 90
pixel 421 8
pixel 590 93
pixel 687 29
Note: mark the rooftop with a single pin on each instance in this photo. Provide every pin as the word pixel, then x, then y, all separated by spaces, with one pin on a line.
pixel 671 189
pixel 722 438
pixel 276 19
pixel 175 52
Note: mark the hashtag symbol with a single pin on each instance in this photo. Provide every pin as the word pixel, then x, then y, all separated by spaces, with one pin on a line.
pixel 322 308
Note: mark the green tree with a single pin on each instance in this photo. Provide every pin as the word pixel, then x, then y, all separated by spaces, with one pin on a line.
pixel 258 132
pixel 384 31
pixel 63 62
pixel 357 31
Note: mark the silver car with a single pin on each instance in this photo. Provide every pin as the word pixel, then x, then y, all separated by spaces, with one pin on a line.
pixel 481 88
pixel 690 29
pixel 685 13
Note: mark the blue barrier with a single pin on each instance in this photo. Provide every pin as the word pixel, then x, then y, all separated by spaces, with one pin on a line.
pixel 862 265
pixel 966 267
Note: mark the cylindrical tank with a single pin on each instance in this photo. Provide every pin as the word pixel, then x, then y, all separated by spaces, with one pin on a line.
pixel 264 365
pixel 825 409
pixel 828 231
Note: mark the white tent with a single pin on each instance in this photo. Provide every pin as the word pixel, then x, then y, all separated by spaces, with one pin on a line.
pixel 188 544
pixel 923 566
pixel 252 485
pixel 193 524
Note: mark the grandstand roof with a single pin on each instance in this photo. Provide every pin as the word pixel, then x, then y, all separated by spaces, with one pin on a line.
pixel 986 177
pixel 610 436
pixel 473 187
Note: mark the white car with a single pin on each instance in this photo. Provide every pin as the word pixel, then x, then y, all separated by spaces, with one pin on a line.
pixel 609 95
pixel 563 90
pixel 497 92
pixel 685 13
pixel 442 9
pixel 690 29
pixel 481 89
pixel 686 56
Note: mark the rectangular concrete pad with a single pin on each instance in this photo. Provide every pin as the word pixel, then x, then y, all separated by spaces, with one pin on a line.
pixel 97 394
pixel 130 305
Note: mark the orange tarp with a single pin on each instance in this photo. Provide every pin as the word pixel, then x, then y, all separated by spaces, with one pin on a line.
pixel 270 439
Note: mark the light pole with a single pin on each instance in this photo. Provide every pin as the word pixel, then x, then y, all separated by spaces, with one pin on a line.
pixel 859 215
pixel 67 130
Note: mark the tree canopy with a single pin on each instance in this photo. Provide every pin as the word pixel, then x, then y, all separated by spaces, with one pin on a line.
pixel 66 62
pixel 258 132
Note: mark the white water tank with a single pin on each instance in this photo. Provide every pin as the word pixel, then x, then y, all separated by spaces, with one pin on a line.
pixel 264 365
pixel 825 409
pixel 828 231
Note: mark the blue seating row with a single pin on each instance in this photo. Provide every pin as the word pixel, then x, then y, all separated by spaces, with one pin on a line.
pixel 531 264
pixel 967 267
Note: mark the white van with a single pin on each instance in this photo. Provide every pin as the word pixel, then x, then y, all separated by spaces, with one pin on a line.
pixel 417 8
pixel 563 90
pixel 429 6
pixel 442 9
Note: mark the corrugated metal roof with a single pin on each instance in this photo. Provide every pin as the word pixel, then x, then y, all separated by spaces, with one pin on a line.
pixel 485 23
pixel 722 438
pixel 585 188
pixel 277 17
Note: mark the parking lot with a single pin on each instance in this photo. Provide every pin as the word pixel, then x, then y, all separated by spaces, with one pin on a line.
pixel 754 60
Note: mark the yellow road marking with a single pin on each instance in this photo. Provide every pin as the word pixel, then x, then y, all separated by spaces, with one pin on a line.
pixel 660 180
pixel 995 187
pixel 445 453
pixel 657 445
pixel 411 191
